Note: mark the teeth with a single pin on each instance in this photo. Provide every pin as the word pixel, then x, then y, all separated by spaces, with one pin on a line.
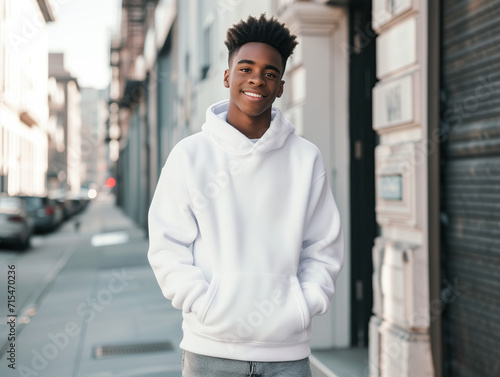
pixel 253 95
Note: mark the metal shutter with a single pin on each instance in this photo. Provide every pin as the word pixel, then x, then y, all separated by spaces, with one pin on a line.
pixel 471 188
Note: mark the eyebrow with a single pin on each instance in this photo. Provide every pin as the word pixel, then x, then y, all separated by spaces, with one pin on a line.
pixel 268 66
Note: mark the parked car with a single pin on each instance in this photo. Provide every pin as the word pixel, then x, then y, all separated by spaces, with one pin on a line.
pixel 17 224
pixel 62 203
pixel 71 207
pixel 47 212
pixel 75 203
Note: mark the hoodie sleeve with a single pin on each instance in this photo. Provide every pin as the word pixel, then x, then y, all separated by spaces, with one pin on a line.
pixel 172 231
pixel 322 253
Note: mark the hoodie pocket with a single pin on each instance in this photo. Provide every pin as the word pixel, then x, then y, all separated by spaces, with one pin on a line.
pixel 244 306
pixel 209 296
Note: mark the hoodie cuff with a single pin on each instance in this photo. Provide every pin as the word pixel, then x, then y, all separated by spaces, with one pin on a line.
pixel 314 301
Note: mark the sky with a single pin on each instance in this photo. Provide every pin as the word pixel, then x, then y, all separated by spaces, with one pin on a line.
pixel 82 31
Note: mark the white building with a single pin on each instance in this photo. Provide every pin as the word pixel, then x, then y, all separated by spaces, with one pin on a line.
pixel 65 163
pixel 23 96
pixel 94 112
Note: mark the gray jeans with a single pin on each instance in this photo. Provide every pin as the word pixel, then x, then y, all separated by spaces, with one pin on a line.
pixel 194 365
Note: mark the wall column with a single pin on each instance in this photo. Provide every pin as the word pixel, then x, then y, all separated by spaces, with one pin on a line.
pixel 399 328
pixel 315 100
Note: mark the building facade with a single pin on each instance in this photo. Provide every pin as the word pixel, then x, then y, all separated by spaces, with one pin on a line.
pixel 400 97
pixel 400 342
pixel 94 112
pixel 65 164
pixel 436 260
pixel 23 96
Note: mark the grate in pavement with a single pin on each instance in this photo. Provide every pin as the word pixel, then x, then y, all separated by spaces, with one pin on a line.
pixel 130 349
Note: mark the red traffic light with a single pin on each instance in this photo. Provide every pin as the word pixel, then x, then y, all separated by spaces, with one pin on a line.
pixel 110 182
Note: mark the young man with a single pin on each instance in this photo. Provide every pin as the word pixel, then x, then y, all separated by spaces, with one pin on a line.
pixel 245 235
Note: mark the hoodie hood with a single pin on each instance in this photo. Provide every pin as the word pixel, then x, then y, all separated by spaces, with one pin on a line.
pixel 234 142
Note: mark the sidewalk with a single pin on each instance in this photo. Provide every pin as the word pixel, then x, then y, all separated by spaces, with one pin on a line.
pixel 104 314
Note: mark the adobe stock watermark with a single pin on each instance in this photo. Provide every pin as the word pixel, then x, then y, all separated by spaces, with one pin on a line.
pixel 90 141
pixel 364 36
pixel 215 185
pixel 452 120
pixel 449 294
pixel 262 310
pixel 386 355
pixel 246 152
pixel 422 318
pixel 87 310
pixel 219 181
pixel 247 325
pixel 21 31
pixel 224 6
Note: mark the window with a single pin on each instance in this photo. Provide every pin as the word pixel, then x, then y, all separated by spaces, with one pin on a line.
pixel 205 22
pixel 205 54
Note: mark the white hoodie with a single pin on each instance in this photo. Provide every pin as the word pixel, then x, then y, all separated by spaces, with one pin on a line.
pixel 246 239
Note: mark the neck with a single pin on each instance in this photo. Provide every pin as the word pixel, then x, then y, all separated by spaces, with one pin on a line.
pixel 252 127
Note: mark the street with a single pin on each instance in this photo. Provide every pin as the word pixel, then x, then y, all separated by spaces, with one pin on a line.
pixel 83 301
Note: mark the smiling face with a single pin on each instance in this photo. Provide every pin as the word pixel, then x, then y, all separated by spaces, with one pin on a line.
pixel 254 82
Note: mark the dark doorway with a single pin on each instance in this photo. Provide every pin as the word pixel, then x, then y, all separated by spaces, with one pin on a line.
pixel 362 171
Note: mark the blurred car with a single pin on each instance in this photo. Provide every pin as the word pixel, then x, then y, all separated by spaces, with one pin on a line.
pixel 76 203
pixel 17 224
pixel 59 196
pixel 47 212
pixel 71 207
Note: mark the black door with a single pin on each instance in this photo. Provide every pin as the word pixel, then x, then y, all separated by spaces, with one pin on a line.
pixel 362 171
pixel 470 189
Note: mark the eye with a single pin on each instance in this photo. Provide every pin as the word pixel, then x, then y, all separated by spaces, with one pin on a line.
pixel 272 75
pixel 245 70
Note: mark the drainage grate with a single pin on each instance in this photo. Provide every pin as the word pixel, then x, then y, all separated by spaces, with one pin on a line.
pixel 130 349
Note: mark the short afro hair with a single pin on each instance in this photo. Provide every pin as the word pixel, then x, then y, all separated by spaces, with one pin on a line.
pixel 262 30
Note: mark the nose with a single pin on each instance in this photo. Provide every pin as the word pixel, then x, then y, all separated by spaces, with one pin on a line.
pixel 256 79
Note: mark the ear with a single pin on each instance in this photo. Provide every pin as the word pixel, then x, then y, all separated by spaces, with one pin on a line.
pixel 280 90
pixel 226 78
